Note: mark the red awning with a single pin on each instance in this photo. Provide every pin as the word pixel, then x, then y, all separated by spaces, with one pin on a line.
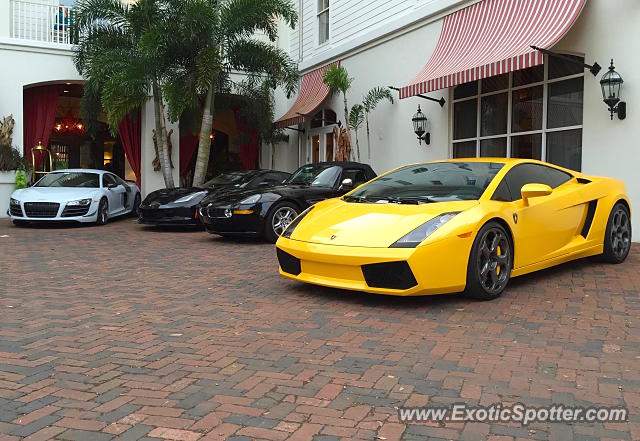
pixel 312 94
pixel 493 37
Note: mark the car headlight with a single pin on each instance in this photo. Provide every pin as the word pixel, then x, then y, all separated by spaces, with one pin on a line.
pixel 79 203
pixel 13 201
pixel 417 236
pixel 190 197
pixel 251 199
pixel 292 226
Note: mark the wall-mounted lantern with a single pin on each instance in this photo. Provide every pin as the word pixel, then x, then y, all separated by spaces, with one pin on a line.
pixel 611 83
pixel 420 127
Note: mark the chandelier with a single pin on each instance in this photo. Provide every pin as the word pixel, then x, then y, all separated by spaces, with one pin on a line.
pixel 69 125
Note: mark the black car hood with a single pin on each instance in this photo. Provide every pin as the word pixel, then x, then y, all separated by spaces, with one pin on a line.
pixel 169 195
pixel 276 192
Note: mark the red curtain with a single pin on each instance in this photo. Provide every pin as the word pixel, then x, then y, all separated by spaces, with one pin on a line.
pixel 130 131
pixel 249 143
pixel 188 145
pixel 39 117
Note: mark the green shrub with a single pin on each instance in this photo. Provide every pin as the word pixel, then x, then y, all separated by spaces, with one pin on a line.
pixel 21 180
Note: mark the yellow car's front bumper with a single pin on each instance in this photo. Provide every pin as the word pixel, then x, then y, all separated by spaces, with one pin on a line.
pixel 435 268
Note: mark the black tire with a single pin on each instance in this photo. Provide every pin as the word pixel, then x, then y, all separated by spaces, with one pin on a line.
pixel 278 219
pixel 135 210
pixel 617 236
pixel 103 212
pixel 490 263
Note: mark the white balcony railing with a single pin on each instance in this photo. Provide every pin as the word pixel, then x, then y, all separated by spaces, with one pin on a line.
pixel 42 20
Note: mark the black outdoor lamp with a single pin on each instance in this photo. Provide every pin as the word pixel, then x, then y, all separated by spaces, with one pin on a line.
pixel 611 83
pixel 420 127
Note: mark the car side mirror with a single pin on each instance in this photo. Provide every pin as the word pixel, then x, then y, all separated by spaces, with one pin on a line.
pixel 112 186
pixel 346 185
pixel 534 191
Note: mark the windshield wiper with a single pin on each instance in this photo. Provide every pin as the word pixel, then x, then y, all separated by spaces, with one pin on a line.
pixel 355 199
pixel 409 200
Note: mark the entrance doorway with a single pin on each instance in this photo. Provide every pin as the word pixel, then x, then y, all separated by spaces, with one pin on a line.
pixel 321 139
pixel 68 141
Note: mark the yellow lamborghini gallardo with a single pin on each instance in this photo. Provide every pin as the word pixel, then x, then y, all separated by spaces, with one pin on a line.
pixel 464 225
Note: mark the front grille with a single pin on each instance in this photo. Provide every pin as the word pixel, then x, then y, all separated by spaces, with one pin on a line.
pixel 391 275
pixel 15 210
pixel 288 263
pixel 217 212
pixel 73 211
pixel 147 213
pixel 41 209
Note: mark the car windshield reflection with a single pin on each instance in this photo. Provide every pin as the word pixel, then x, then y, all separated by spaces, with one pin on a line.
pixel 316 175
pixel 69 179
pixel 435 182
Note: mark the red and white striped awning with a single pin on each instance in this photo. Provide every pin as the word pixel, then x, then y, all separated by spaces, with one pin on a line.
pixel 493 37
pixel 312 94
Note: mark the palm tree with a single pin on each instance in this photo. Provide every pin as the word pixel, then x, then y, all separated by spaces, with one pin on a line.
pixel 220 38
pixel 119 53
pixel 338 80
pixel 370 102
pixel 356 118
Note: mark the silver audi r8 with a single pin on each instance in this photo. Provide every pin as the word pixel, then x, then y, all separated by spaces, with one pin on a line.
pixel 77 195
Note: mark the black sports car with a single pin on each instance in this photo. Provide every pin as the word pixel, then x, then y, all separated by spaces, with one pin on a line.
pixel 268 211
pixel 179 206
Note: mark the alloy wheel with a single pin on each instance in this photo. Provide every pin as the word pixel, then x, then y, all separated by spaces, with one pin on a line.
pixel 494 261
pixel 103 214
pixel 620 233
pixel 282 218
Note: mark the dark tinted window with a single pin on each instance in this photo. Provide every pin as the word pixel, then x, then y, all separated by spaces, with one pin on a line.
pixel 524 174
pixel 358 176
pixel 107 179
pixel 557 177
pixel 502 193
pixel 274 178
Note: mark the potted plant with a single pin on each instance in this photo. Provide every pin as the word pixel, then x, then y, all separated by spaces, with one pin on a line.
pixel 11 165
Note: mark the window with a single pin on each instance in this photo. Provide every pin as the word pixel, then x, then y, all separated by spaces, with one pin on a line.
pixel 357 176
pixel 107 180
pixel 533 113
pixel 511 185
pixel 323 21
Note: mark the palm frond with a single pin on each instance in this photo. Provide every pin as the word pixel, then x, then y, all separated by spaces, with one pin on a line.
pixel 259 58
pixel 337 78
pixel 242 18
pixel 356 116
pixel 374 96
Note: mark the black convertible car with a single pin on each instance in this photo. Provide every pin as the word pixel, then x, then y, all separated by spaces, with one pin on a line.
pixel 268 211
pixel 179 206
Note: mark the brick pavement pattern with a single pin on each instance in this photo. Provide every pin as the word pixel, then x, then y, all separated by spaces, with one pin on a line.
pixel 125 332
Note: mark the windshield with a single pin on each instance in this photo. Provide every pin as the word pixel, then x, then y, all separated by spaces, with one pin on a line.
pixel 229 178
pixel 435 182
pixel 69 179
pixel 316 175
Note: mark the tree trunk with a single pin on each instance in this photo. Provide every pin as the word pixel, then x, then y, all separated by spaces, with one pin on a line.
pixel 161 136
pixel 204 145
pixel 366 116
pixel 346 121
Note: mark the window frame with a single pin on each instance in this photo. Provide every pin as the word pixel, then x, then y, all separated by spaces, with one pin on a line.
pixel 319 13
pixel 509 135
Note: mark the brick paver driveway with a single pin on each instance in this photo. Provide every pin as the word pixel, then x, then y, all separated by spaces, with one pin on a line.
pixel 125 332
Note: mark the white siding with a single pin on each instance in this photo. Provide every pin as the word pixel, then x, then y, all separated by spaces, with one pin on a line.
pixel 351 19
